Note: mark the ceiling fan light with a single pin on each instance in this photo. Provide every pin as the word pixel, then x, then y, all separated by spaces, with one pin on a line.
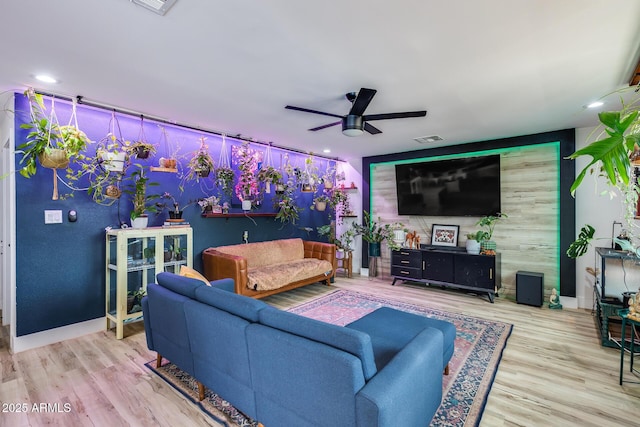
pixel 352 125
pixel 352 132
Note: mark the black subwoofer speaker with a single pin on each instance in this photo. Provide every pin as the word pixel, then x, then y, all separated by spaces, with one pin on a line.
pixel 529 288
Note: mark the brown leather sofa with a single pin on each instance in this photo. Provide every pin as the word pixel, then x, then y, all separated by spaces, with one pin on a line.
pixel 266 268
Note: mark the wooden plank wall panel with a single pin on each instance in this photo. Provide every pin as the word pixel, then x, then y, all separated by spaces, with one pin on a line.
pixel 527 240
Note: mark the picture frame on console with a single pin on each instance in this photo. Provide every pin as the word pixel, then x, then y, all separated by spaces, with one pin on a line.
pixel 444 235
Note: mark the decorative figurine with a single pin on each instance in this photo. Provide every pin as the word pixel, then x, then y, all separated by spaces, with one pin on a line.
pixel 634 307
pixel 554 300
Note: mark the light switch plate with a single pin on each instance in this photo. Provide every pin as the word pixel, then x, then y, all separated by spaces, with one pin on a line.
pixel 53 217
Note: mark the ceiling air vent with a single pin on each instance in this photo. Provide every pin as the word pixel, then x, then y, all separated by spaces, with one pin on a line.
pixel 426 139
pixel 158 6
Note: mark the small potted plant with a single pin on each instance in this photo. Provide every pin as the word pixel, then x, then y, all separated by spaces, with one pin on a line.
pixel 329 177
pixel 134 300
pixel 201 164
pixel 142 149
pixel 269 175
pixel 375 234
pixel 473 241
pixel 142 202
pixel 488 246
pixel 320 203
pixel 210 204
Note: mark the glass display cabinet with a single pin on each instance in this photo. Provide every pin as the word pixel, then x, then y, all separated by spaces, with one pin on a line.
pixel 133 258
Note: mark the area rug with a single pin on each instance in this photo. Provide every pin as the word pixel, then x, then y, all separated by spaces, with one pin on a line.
pixel 478 350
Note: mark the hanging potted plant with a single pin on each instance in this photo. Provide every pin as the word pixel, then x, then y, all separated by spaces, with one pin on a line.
pixel 268 176
pixel 201 164
pixel 308 178
pixel 142 149
pixel 320 203
pixel 142 203
pixel 247 186
pixel 48 142
pixel 329 177
pixel 224 181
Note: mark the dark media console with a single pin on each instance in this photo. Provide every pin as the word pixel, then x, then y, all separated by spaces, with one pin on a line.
pixel 448 267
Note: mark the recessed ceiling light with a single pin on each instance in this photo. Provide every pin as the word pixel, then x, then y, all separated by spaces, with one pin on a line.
pixel 595 104
pixel 326 151
pixel 46 79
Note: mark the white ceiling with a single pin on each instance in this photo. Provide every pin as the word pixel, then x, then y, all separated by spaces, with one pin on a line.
pixel 483 69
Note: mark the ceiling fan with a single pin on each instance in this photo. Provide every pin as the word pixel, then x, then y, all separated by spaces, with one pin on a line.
pixel 355 122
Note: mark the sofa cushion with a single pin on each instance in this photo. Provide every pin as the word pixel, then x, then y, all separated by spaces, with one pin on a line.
pixel 178 284
pixel 186 271
pixel 239 305
pixel 349 340
pixel 277 275
pixel 267 253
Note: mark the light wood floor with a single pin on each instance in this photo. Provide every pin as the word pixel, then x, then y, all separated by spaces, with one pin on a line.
pixel 553 371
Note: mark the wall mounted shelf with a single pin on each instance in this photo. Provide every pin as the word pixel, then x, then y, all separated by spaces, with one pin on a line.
pixel 239 215
pixel 161 169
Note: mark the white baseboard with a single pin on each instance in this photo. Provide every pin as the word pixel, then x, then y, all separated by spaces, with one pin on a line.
pixel 51 336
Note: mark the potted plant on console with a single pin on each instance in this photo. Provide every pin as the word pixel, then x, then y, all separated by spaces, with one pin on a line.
pixel 487 246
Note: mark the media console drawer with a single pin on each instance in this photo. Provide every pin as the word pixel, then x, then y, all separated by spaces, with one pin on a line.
pixel 408 272
pixel 407 258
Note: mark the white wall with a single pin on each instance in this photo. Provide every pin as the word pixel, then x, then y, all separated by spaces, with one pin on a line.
pixel 599 211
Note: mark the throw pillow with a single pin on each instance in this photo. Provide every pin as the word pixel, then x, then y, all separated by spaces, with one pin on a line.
pixel 193 274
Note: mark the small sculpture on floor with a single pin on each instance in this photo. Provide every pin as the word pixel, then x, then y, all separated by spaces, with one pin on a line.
pixel 554 300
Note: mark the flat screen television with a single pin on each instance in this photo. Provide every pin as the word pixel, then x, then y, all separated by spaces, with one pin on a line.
pixel 467 186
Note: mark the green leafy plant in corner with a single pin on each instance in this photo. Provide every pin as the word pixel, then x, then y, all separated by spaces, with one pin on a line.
pixel 615 146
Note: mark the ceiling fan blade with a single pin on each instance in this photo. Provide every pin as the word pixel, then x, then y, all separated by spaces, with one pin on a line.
pixel 394 115
pixel 306 110
pixel 362 101
pixel 325 126
pixel 371 129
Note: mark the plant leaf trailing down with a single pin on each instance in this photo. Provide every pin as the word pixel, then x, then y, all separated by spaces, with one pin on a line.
pixel 581 244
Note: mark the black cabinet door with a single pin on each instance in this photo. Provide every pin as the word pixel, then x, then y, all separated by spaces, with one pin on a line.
pixel 477 271
pixel 438 266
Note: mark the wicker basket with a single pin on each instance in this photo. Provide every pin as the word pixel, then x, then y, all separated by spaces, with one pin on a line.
pixel 54 158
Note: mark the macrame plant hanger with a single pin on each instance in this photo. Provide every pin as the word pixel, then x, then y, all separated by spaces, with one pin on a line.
pixel 267 163
pixel 52 157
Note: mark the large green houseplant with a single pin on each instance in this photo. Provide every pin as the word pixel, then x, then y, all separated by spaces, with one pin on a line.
pixel 375 234
pixel 614 152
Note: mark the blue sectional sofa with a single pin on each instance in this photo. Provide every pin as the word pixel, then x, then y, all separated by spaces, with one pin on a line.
pixel 283 369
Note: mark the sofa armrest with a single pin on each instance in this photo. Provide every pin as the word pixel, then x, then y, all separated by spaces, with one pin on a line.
pixel 218 265
pixel 320 250
pixel 224 284
pixel 410 384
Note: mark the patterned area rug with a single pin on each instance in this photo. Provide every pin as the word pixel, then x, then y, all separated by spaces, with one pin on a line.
pixel 478 350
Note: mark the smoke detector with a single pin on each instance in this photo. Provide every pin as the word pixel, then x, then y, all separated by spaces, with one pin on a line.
pixel 426 139
pixel 158 6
